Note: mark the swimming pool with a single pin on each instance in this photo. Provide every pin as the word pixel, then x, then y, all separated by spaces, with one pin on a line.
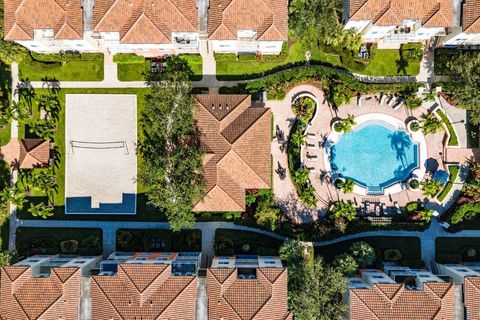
pixel 374 155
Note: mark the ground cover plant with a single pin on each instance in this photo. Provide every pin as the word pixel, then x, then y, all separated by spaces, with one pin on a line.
pixel 230 242
pixel 62 67
pixel 453 173
pixel 31 241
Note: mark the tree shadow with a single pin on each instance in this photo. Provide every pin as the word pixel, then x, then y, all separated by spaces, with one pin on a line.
pixel 402 66
pixel 400 143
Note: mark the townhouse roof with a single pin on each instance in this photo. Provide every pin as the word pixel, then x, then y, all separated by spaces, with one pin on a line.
pixel 25 297
pixel 269 18
pixel 394 301
pixel 471 16
pixel 248 299
pixel 432 13
pixel 471 289
pixel 236 140
pixel 147 291
pixel 143 21
pixel 27 153
pixel 22 17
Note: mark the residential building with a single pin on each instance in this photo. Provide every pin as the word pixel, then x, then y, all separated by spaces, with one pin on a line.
pixel 248 26
pixel 467 277
pixel 148 28
pixel 235 138
pixel 417 294
pixel 45 287
pixel 46 25
pixel 27 153
pixel 160 285
pixel 470 35
pixel 390 23
pixel 247 287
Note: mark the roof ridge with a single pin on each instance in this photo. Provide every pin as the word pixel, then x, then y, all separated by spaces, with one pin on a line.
pixel 48 307
pixel 69 276
pixel 176 8
pixel 218 185
pixel 263 114
pixel 11 29
pixel 218 280
pixel 278 276
pixel 110 8
pixel 106 296
pixel 173 299
pixel 363 302
pixel 246 128
pixel 8 275
pixel 388 7
pixel 148 285
pixel 435 9
pixel 359 8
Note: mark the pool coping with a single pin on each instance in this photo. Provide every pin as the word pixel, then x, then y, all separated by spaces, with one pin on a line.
pixel 396 124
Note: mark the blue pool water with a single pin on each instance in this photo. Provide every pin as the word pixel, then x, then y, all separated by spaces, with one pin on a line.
pixel 375 156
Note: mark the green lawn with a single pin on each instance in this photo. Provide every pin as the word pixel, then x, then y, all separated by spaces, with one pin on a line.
pixel 5 97
pixel 453 136
pixel 295 54
pixel 408 246
pixel 167 240
pixel 246 242
pixel 135 71
pixel 384 62
pixel 456 250
pixel 453 170
pixel 143 212
pixel 75 70
pixel 387 62
pixel 30 241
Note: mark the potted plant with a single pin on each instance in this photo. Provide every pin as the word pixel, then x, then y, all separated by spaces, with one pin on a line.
pixel 413 184
pixel 413 126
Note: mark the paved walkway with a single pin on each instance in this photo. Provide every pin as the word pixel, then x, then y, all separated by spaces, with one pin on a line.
pixel 283 188
pixel 458 119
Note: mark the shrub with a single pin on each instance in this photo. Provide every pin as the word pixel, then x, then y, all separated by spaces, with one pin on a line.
pixel 232 215
pixel 414 184
pixel 448 258
pixel 411 52
pixel 206 216
pixel 346 264
pixel 250 199
pixel 431 187
pixel 414 126
pixel 128 58
pixel 466 211
pixel 392 255
pixel 342 209
pixel 304 109
pixel 471 252
pixel 363 253
pixel 453 135
pixel 69 246
pixel 413 102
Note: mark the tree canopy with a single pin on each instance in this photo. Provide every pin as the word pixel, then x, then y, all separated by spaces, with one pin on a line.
pixel 465 84
pixel 171 170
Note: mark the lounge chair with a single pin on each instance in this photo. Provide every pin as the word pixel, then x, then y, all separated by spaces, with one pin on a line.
pixel 397 208
pixel 384 209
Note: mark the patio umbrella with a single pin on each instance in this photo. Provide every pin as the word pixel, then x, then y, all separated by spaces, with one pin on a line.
pixel 431 164
pixel 441 175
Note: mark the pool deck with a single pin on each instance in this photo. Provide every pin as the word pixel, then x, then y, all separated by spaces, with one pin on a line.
pixel 321 127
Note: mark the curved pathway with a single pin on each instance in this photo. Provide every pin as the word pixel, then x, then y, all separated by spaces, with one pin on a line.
pixel 283 188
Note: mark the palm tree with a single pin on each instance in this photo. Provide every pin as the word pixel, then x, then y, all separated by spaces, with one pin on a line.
pixel 348 123
pixel 431 187
pixel 41 210
pixel 307 197
pixel 352 40
pixel 44 180
pixel 342 209
pixel 44 128
pixel 13 195
pixel 347 186
pixel 124 239
pixel 429 96
pixel 298 138
pixel 430 124
pixel 300 176
pixel 426 214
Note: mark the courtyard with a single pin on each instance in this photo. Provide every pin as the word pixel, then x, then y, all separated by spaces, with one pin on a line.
pixel 101 160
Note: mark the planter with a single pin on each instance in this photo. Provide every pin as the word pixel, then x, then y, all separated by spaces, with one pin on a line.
pixel 336 126
pixel 413 126
pixel 413 184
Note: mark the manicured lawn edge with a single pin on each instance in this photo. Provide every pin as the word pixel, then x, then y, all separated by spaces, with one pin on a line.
pixel 453 170
pixel 453 142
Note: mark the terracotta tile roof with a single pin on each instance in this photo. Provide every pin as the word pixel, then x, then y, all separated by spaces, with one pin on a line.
pixel 393 301
pixel 22 17
pixel 142 21
pixel 269 18
pixel 143 291
pixel 236 140
pixel 471 16
pixel 24 297
pixel 26 153
pixel 262 298
pixel 471 289
pixel 432 13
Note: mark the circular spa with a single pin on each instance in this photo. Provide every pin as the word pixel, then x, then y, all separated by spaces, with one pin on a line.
pixel 377 155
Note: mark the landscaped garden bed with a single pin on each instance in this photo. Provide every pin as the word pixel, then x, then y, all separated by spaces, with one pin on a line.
pixel 31 241
pixel 230 242
pixel 62 67
pixel 409 248
pixel 131 67
pixel 150 240
pixel 232 67
pixel 453 141
pixel 453 173
pixel 457 250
